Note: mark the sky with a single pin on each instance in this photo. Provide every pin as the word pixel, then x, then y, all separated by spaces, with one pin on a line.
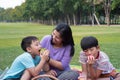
pixel 10 3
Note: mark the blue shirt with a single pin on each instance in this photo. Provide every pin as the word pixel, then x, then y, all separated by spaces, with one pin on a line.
pixel 21 63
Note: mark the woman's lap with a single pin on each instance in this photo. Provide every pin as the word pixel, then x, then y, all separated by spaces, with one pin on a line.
pixel 65 75
pixel 68 75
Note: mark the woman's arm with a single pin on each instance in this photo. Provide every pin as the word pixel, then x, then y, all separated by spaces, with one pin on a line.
pixel 56 64
pixel 61 61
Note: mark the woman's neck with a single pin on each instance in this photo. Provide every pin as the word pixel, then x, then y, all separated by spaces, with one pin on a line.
pixel 57 46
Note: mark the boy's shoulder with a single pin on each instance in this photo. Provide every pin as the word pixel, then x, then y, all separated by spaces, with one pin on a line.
pixel 24 55
pixel 103 55
pixel 82 53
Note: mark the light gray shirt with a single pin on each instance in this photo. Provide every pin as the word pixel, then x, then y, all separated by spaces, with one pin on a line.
pixel 102 63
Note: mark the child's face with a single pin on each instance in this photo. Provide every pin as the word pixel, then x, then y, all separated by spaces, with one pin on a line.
pixel 92 51
pixel 35 48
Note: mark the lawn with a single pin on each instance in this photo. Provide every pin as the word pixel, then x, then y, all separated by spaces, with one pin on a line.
pixel 11 35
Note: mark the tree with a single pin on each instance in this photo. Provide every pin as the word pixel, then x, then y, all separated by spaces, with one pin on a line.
pixel 93 3
pixel 115 3
pixel 51 10
pixel 1 14
pixel 107 8
pixel 77 7
pixel 66 7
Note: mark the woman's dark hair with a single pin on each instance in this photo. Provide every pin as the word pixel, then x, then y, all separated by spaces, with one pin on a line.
pixel 27 41
pixel 66 35
pixel 88 42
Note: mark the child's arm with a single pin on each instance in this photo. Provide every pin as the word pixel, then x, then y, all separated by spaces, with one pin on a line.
pixel 94 73
pixel 46 65
pixel 84 69
pixel 26 75
pixel 36 70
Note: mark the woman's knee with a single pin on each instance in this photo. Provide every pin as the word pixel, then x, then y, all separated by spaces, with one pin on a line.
pixel 69 75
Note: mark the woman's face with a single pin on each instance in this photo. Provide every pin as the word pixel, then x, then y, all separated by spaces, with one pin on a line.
pixel 57 40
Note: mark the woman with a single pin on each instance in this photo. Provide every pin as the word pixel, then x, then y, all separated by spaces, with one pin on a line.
pixel 61 47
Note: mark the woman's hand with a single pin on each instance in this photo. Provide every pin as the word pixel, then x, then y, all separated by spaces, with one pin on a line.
pixel 52 72
pixel 46 67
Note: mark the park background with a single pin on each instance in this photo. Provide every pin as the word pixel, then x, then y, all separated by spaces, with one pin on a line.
pixel 73 12
pixel 11 35
pixel 99 18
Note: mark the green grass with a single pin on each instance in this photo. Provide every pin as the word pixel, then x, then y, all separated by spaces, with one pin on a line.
pixel 11 35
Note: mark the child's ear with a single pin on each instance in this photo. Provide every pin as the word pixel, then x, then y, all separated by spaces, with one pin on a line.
pixel 28 49
pixel 98 47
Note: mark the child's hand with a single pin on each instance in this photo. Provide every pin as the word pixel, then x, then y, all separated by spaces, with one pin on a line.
pixel 45 55
pixel 91 59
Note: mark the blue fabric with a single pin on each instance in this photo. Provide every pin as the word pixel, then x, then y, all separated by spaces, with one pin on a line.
pixel 21 63
pixel 111 78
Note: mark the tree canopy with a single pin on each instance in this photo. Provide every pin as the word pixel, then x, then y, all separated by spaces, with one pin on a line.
pixel 69 11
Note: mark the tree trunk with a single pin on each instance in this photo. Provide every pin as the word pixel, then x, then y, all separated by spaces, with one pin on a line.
pixel 80 18
pixel 92 20
pixel 74 20
pixel 96 19
pixel 68 19
pixel 107 9
pixel 108 19
pixel 52 22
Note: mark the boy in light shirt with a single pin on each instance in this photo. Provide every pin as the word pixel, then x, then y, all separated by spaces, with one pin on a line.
pixel 30 63
pixel 95 63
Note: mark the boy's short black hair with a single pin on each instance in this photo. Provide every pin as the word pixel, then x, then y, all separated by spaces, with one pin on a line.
pixel 88 42
pixel 27 41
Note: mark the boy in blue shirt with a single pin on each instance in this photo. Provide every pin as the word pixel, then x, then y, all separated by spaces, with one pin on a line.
pixel 30 63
